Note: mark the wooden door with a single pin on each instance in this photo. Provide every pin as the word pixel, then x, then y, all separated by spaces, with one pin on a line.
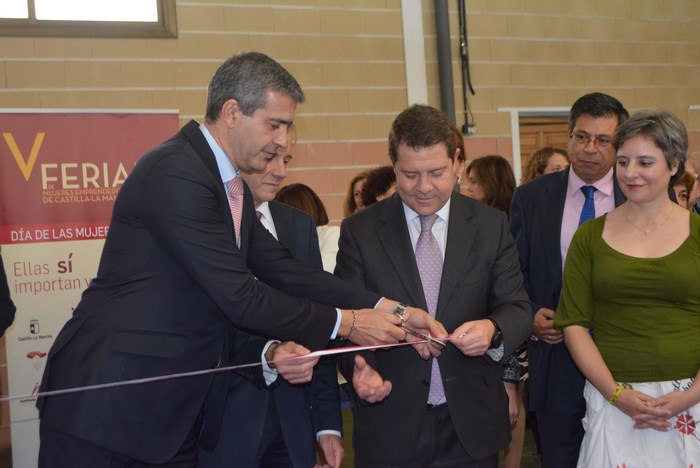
pixel 538 132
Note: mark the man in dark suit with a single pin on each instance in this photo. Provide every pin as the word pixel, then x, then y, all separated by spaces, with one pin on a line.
pixel 269 422
pixel 409 416
pixel 176 271
pixel 7 307
pixel 545 213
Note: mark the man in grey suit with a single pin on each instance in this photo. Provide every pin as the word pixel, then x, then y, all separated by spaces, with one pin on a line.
pixel 269 421
pixel 408 415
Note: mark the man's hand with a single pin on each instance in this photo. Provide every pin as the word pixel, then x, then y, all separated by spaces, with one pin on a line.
pixel 420 321
pixel 426 350
pixel 367 327
pixel 473 338
pixel 294 371
pixel 543 327
pixel 367 382
pixel 333 451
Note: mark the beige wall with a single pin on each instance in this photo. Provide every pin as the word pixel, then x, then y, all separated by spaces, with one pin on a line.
pixel 349 57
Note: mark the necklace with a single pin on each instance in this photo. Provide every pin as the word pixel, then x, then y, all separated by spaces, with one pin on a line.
pixel 655 225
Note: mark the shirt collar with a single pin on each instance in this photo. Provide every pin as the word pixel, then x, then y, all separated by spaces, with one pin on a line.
pixel 264 208
pixel 443 213
pixel 226 168
pixel 604 185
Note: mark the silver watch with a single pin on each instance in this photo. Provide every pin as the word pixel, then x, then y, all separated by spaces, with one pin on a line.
pixel 400 310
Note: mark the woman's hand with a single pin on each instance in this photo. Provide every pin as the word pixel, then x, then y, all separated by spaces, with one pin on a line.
pixel 513 402
pixel 673 404
pixel 639 406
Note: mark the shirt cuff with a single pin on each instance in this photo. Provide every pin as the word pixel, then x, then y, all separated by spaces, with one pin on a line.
pixel 496 353
pixel 269 373
pixel 340 319
pixel 327 431
pixel 337 324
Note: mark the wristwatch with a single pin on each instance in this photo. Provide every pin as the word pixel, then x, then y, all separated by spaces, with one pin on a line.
pixel 400 310
pixel 497 339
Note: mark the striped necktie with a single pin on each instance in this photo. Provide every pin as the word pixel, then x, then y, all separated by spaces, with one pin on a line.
pixel 234 192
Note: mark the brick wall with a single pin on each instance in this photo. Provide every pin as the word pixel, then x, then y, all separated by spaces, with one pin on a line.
pixel 349 57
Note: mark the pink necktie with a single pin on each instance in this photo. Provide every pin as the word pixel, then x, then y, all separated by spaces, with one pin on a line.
pixel 234 191
pixel 429 260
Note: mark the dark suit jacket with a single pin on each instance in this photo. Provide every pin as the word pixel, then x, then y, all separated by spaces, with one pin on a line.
pixel 7 307
pixel 481 278
pixel 302 410
pixel 170 282
pixel 535 218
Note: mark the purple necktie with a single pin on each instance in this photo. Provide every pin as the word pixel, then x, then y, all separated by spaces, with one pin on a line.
pixel 234 192
pixel 429 260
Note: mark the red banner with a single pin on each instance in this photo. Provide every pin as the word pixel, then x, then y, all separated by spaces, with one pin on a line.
pixel 60 172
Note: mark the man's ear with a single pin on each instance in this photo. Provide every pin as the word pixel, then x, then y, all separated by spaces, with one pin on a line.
pixel 230 112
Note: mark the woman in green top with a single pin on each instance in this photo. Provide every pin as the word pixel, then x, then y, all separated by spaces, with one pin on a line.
pixel 630 309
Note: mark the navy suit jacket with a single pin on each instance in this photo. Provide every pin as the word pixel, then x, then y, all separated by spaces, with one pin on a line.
pixel 170 282
pixel 302 410
pixel 535 220
pixel 481 278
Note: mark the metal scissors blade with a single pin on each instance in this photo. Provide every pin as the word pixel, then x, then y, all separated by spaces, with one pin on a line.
pixel 424 336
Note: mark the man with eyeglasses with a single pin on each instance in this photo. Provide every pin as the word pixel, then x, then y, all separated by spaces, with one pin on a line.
pixel 545 213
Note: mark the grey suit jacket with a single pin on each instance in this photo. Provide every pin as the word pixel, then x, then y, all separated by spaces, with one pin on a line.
pixel 481 278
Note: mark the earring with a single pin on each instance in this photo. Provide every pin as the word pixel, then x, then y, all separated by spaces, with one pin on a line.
pixel 459 180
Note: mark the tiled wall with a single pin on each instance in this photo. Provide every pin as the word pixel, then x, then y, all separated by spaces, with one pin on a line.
pixel 349 57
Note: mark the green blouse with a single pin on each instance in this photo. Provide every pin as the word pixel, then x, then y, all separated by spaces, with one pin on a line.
pixel 644 312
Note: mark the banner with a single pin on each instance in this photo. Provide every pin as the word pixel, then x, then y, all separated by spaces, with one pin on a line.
pixel 60 173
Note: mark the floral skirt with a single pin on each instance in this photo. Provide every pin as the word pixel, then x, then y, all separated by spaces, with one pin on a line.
pixel 612 441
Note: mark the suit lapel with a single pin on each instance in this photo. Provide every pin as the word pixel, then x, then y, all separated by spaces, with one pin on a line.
pixel 461 232
pixel 552 214
pixel 206 155
pixel 393 235
pixel 286 234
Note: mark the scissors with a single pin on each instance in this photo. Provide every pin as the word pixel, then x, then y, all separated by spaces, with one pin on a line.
pixel 424 336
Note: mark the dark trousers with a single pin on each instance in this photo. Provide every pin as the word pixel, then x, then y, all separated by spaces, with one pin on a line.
pixel 561 435
pixel 61 450
pixel 438 447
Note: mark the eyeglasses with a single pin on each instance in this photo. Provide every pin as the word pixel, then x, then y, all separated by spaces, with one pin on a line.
pixel 601 141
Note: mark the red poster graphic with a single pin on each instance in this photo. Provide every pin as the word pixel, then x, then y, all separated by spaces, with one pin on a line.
pixel 60 172
pixel 59 176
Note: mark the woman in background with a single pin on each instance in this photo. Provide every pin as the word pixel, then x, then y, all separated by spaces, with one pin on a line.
pixel 631 276
pixel 303 198
pixel 380 183
pixel 353 199
pixel 545 161
pixel 490 180
pixel 683 188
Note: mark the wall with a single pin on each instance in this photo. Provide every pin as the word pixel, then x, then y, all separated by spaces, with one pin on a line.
pixel 349 57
